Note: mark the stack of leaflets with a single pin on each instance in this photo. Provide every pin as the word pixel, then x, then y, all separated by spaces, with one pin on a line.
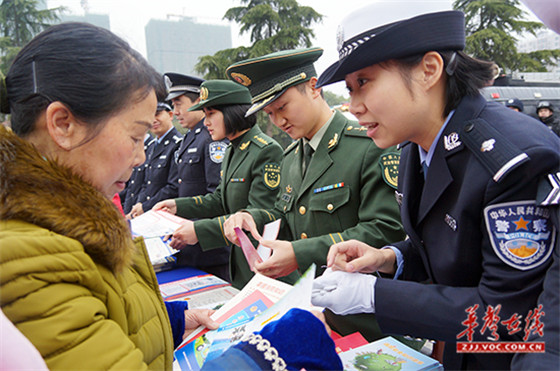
pixel 387 354
pixel 155 226
pixel 204 291
pixel 262 300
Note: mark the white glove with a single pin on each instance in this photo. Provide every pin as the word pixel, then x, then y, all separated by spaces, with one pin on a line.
pixel 344 293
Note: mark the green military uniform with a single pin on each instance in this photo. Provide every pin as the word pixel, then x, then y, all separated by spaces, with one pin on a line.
pixel 347 193
pixel 250 179
pixel 348 190
pixel 343 195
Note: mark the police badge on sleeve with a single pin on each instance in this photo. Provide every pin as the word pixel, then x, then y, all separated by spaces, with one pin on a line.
pixel 217 151
pixel 521 233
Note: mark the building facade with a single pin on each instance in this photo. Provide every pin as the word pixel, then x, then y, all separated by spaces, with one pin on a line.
pixel 175 45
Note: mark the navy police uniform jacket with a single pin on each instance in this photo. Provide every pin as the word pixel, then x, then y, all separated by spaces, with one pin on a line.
pixel 477 237
pixel 251 175
pixel 199 160
pixel 160 175
pixel 129 196
pixel 549 298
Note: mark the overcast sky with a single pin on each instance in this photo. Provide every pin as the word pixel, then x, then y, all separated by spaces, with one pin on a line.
pixel 129 17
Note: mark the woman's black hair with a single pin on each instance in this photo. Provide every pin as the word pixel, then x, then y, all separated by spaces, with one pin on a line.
pixel 465 75
pixel 89 69
pixel 234 117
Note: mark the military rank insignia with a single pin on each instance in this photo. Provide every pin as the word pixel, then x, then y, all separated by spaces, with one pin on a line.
pixel 217 151
pixel 271 175
pixel 389 163
pixel 521 233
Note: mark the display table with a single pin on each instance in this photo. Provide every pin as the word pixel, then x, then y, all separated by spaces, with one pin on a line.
pixel 178 274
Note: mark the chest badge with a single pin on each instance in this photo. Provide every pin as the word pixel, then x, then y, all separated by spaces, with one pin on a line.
pixel 451 222
pixel 451 141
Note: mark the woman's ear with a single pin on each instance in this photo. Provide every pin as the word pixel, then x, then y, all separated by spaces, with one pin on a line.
pixel 431 69
pixel 63 127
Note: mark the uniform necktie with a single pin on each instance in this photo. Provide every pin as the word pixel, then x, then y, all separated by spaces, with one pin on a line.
pixel 424 169
pixel 307 154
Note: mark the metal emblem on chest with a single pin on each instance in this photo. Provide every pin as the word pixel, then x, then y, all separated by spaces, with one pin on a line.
pixel 451 141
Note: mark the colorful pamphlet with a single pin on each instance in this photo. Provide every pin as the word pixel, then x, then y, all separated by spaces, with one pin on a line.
pixel 203 291
pixel 261 301
pixel 349 342
pixel 387 354
pixel 155 227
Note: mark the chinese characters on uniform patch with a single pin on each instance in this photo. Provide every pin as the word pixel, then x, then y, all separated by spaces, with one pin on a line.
pixel 521 233
pixel 492 321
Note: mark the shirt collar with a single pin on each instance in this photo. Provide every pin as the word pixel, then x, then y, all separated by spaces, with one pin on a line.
pixel 314 142
pixel 164 135
pixel 427 156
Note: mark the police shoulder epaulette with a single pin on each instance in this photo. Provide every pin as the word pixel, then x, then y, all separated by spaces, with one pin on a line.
pixel 291 147
pixel 492 148
pixel 152 141
pixel 177 139
pixel 548 192
pixel 260 141
pixel 356 131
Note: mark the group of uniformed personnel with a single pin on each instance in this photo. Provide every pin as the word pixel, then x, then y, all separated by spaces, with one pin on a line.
pixel 178 166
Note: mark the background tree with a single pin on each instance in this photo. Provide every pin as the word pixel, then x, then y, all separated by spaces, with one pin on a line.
pixel 491 26
pixel 20 21
pixel 334 99
pixel 273 25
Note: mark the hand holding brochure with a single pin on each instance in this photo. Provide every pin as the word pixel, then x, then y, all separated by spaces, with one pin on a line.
pixel 262 253
pixel 154 226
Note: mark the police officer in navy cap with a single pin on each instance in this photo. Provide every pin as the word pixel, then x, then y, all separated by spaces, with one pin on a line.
pixel 198 160
pixel 129 195
pixel 545 112
pixel 251 174
pixel 478 189
pixel 515 104
pixel 160 171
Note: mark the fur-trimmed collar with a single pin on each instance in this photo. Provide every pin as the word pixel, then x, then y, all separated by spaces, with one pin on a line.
pixel 49 195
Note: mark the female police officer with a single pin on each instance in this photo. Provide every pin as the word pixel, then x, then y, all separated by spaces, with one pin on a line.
pixel 469 181
pixel 250 173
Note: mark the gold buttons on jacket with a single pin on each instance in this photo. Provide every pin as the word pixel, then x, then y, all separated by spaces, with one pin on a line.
pixel 303 236
pixel 302 210
pixel 330 207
